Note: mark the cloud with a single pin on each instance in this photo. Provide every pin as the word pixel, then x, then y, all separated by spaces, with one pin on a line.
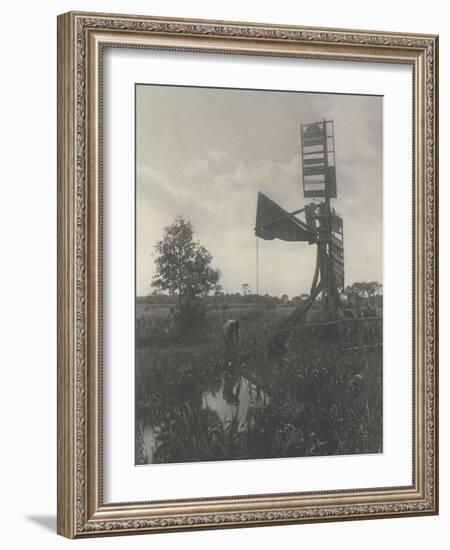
pixel 220 202
pixel 217 155
pixel 212 171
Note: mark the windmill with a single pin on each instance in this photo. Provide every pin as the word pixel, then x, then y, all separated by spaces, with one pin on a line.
pixel 322 226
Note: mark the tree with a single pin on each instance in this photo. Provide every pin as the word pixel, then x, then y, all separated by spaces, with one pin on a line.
pixel 218 290
pixel 245 289
pixel 182 264
pixel 372 289
pixel 359 289
pixel 285 298
pixel 364 289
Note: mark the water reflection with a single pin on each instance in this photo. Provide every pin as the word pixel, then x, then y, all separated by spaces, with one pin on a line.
pixel 149 443
pixel 234 398
pixel 230 403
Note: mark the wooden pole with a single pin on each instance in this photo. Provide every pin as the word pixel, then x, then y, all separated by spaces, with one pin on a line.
pixel 257 266
pixel 330 297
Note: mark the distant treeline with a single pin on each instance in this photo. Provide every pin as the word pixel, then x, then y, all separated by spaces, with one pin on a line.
pixel 166 299
pixel 362 292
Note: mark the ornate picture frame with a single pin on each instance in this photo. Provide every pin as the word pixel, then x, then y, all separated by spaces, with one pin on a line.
pixel 82 40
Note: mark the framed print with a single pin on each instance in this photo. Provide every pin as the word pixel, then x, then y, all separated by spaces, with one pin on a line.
pixel 247 284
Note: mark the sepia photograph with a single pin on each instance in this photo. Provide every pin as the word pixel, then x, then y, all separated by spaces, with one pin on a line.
pixel 247 274
pixel 259 274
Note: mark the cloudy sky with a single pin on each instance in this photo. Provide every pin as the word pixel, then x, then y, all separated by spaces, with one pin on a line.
pixel 205 153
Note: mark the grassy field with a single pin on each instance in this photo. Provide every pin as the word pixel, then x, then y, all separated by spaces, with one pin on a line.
pixel 197 401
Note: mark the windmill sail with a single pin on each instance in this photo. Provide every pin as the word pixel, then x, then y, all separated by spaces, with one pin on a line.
pixel 273 222
pixel 318 159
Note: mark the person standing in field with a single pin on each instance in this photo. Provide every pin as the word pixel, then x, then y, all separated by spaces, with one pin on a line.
pixel 231 335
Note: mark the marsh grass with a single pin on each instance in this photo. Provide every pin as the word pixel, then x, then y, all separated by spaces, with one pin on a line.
pixel 322 397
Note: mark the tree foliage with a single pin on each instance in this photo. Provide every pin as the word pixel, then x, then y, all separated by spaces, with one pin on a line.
pixel 183 266
pixel 366 289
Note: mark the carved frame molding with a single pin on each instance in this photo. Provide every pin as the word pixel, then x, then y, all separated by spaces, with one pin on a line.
pixel 81 38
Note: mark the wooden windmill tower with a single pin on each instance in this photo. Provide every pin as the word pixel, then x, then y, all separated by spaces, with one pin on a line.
pixel 322 226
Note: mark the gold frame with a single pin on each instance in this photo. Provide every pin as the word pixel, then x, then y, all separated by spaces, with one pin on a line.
pixel 81 38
